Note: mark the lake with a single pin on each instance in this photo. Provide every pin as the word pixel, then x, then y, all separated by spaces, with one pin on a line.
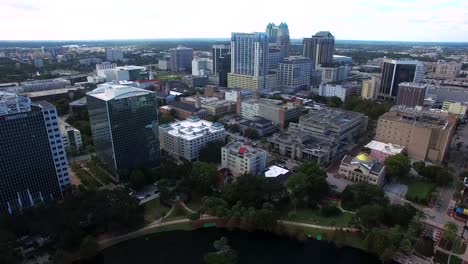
pixel 176 247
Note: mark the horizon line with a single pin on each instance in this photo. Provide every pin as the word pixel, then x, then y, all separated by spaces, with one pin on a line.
pixel 211 39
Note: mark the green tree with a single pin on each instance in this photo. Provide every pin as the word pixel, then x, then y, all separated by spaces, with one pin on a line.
pixel 89 248
pixel 166 119
pixel 250 190
pixel 360 194
pixel 308 184
pixel 204 177
pixel 450 231
pixel 398 166
pixel 211 152
pixel 419 166
pixel 137 179
pixel 335 101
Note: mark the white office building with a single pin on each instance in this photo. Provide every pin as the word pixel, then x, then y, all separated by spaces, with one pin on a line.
pixel 202 67
pixel 71 137
pixel 57 147
pixel 330 90
pixel 243 159
pixel 184 139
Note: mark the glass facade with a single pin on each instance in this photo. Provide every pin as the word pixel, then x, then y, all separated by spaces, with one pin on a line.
pixel 125 132
pixel 392 75
pixel 27 170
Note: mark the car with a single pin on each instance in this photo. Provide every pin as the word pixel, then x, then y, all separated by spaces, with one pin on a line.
pixel 140 197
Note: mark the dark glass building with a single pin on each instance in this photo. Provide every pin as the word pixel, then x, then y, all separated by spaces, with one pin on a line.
pixel 319 48
pixel 27 170
pixel 221 63
pixel 395 72
pixel 124 123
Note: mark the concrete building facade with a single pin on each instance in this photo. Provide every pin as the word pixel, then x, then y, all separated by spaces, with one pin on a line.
pixel 371 87
pixel 411 94
pixel 426 134
pixel 319 48
pixel 446 70
pixel 184 139
pixel 456 108
pixel 362 168
pixel 243 159
pixel 294 72
pixel 180 59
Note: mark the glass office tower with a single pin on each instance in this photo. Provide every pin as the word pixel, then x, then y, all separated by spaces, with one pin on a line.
pixel 124 123
pixel 27 170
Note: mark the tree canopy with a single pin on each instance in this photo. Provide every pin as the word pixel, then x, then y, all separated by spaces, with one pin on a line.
pixel 360 194
pixel 308 184
pixel 398 166
pixel 370 108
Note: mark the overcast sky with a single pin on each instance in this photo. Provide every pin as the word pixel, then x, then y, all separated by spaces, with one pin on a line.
pixel 405 20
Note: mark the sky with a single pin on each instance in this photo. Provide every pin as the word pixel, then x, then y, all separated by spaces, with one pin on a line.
pixel 398 20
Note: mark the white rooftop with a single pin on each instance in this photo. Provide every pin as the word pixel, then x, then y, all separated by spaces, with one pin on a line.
pixel 109 91
pixel 275 171
pixel 191 128
pixel 387 148
pixel 130 67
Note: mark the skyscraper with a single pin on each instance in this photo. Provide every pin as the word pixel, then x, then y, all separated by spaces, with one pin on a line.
pixel 294 73
pixel 221 63
pixel 124 123
pixel 395 72
pixel 279 36
pixel 28 172
pixel 181 59
pixel 249 61
pixel 319 48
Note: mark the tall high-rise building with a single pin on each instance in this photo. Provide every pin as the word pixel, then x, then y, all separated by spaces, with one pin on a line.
pixel 124 123
pixel 181 59
pixel 294 72
pixel 395 72
pixel 279 37
pixel 319 48
pixel 411 94
pixel 113 54
pixel 202 67
pixel 370 87
pixel 221 63
pixel 29 174
pixel 249 62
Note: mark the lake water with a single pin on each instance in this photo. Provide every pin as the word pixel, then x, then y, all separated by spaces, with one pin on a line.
pixel 178 247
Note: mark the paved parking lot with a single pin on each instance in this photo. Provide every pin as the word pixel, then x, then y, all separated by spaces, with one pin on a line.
pixel 397 189
pixel 336 183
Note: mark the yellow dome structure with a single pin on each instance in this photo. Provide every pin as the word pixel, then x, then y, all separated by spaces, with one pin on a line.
pixel 363 157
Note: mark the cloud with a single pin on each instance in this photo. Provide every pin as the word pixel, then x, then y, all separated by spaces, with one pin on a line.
pixel 412 20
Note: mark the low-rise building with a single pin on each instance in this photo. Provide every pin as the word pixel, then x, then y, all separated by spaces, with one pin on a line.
pixel 425 133
pixel 71 136
pixel 380 151
pixel 43 85
pixel 243 159
pixel 251 82
pixel 446 70
pixel 273 110
pixel 411 94
pixel 184 139
pixel 362 168
pixel 263 126
pixel 370 87
pixel 456 108
pixel 340 91
pixel 332 73
pixel 183 110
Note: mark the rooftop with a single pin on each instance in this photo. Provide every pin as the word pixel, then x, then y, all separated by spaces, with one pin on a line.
pixel 51 92
pixel 130 68
pixel 241 149
pixel 109 92
pixel 418 116
pixel 275 171
pixel 387 148
pixel 364 161
pixel 184 106
pixel 11 103
pixel 191 128
pixel 323 34
pixel 413 85
pixel 333 116
pixel 79 102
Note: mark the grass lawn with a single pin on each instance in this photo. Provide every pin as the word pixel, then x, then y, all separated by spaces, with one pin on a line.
pixel 459 247
pixel 100 173
pixel 352 239
pixel 87 180
pixel 441 257
pixel 314 217
pixel 419 191
pixel 455 260
pixel 178 213
pixel 154 210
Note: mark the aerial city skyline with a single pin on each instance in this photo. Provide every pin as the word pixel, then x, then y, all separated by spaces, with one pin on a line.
pixel 411 20
pixel 338 151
